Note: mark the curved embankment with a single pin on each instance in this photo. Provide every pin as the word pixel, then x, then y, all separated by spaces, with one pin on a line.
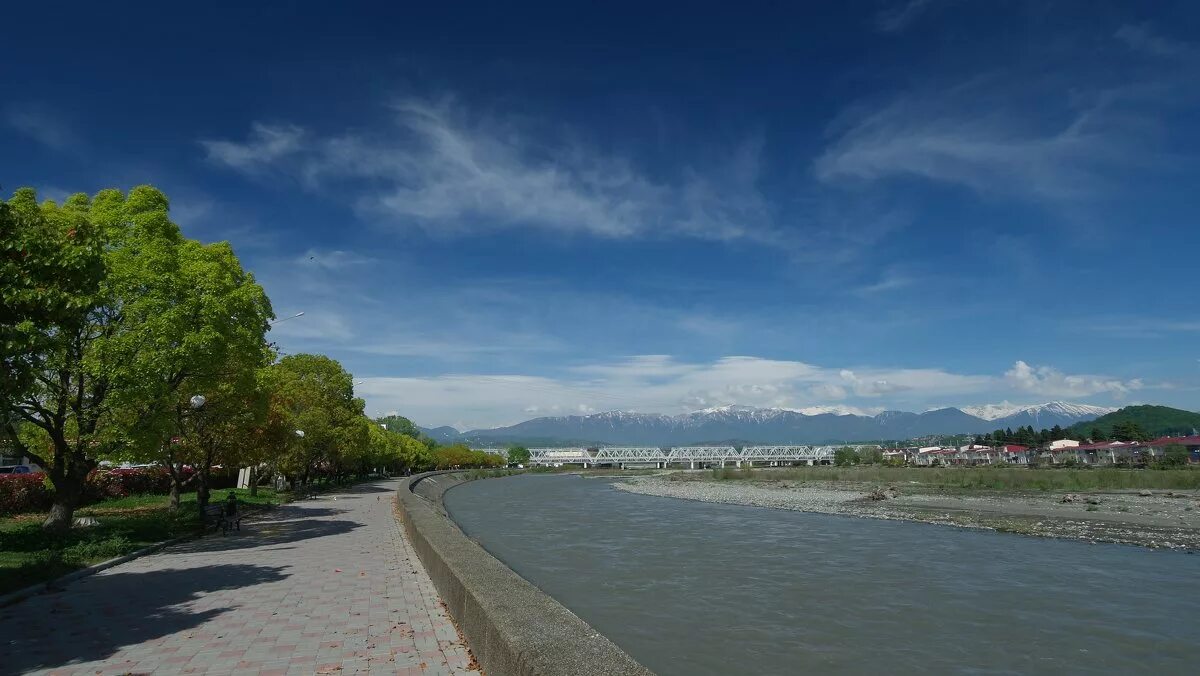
pixel 511 626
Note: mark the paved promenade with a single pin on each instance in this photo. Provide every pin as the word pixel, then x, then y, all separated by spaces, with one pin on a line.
pixel 324 586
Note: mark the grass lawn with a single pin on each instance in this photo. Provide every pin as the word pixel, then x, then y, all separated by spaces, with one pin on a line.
pixel 970 479
pixel 27 555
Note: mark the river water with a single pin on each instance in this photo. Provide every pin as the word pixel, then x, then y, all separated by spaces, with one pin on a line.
pixel 697 588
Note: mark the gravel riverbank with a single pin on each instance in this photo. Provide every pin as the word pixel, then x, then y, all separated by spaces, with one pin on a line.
pixel 1156 519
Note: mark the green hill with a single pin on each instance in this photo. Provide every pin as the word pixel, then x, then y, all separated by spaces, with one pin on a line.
pixel 1155 420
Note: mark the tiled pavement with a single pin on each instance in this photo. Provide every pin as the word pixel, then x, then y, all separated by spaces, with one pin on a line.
pixel 324 586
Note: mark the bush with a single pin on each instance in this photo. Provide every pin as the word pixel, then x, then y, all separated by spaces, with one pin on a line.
pixel 24 493
pixel 33 492
pixel 121 483
pixel 1174 455
pixel 107 548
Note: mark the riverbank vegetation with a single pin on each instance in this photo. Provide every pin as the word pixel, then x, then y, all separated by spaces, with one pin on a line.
pixel 965 478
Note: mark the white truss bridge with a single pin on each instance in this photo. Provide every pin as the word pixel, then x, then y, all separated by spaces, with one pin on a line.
pixel 687 456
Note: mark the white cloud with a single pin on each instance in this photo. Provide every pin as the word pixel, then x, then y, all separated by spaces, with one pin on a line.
pixel 661 384
pixel 443 170
pixel 1050 382
pixel 656 384
pixel 1004 134
pixel 267 144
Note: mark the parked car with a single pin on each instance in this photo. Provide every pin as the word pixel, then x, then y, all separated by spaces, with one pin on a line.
pixel 17 469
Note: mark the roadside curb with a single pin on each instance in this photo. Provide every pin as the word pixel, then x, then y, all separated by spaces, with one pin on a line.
pixel 53 585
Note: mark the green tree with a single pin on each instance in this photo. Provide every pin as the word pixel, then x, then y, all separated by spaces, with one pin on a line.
pixel 105 366
pixel 518 455
pixel 225 430
pixel 1174 455
pixel 845 457
pixel 314 395
pixel 1098 435
pixel 1129 431
pixel 51 266
pixel 870 455
pixel 216 348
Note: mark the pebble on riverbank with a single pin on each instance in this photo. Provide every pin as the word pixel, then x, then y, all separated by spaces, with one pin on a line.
pixel 1128 518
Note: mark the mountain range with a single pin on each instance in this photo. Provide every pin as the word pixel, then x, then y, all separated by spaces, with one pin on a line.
pixel 770 425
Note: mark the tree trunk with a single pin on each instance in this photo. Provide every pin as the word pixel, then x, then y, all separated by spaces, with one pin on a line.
pixel 173 497
pixel 253 480
pixel 62 512
pixel 175 473
pixel 202 488
pixel 68 476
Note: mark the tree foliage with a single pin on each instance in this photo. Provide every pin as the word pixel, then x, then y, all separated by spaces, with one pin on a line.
pixel 1174 455
pixel 314 396
pixel 138 311
pixel 111 322
pixel 459 456
pixel 845 457
pixel 1153 421
pixel 518 455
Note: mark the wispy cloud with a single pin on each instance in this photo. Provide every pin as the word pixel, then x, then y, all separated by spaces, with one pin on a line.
pixel 891 279
pixel 335 259
pixel 441 169
pixel 42 124
pixel 900 16
pixel 971 137
pixel 982 136
pixel 266 145
pixel 1141 37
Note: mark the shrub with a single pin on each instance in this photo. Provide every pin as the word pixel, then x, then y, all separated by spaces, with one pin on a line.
pixel 845 456
pixel 107 548
pixel 1174 455
pixel 123 482
pixel 24 493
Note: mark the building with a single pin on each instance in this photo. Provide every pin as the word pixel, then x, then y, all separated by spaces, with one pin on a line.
pixel 1014 454
pixel 1191 443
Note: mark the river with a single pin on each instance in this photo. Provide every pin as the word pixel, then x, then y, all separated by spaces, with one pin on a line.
pixel 694 588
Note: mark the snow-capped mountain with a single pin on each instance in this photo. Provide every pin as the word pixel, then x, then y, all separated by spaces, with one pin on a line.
pixel 781 425
pixel 993 411
pixel 1048 415
pixel 1035 411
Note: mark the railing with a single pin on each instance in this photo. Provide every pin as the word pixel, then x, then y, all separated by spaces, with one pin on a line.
pixel 683 455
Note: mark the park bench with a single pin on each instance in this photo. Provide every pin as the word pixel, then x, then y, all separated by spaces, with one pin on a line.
pixel 217 516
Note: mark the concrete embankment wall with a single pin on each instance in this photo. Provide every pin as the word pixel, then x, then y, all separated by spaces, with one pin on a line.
pixel 512 627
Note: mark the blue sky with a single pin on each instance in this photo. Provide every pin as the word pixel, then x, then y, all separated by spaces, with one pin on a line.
pixel 489 213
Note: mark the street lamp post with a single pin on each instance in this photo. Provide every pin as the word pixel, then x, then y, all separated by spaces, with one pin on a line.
pixel 197 402
pixel 298 314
